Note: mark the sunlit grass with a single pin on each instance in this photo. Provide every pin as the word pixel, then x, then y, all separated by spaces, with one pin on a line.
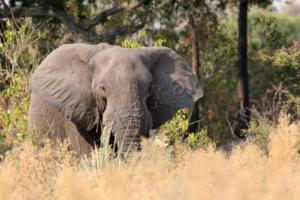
pixel 248 172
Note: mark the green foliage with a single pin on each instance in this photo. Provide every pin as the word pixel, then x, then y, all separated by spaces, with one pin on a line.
pixel 19 47
pixel 19 52
pixel 159 42
pixel 200 138
pixel 176 131
pixel 270 68
pixel 176 128
pixel 142 34
pixel 285 63
pixel 130 44
pixel 140 40
pixel 13 118
pixel 284 59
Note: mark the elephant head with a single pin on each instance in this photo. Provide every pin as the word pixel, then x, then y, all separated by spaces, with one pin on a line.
pixel 135 90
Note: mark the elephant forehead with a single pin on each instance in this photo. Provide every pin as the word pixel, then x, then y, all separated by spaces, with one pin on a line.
pixel 117 56
pixel 120 76
pixel 120 65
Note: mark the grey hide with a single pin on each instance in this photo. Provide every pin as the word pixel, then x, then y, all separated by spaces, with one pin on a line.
pixel 79 86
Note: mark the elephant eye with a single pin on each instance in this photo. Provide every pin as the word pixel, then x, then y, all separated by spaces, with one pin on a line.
pixel 101 89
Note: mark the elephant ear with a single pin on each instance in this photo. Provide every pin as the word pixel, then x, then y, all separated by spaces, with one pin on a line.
pixel 63 79
pixel 174 84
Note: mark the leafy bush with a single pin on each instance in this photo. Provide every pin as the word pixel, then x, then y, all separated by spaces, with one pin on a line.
pixel 176 131
pixel 269 64
pixel 141 39
pixel 285 64
pixel 19 53
pixel 284 77
pixel 13 119
pixel 19 45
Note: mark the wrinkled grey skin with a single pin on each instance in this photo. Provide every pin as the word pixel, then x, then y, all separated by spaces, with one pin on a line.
pixel 78 86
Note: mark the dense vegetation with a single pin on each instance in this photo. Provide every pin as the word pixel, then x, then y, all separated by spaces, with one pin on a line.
pixel 273 70
pixel 272 136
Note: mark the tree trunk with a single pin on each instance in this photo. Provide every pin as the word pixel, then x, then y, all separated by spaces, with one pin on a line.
pixel 194 119
pixel 243 116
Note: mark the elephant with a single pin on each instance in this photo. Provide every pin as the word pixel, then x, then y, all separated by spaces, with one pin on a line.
pixel 79 86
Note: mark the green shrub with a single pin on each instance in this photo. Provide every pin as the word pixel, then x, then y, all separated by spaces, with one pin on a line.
pixel 140 40
pixel 176 131
pixel 271 68
pixel 13 118
pixel 19 45
pixel 201 139
pixel 19 53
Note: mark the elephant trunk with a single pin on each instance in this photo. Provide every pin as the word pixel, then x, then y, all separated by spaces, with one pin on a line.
pixel 128 132
pixel 128 143
pixel 127 112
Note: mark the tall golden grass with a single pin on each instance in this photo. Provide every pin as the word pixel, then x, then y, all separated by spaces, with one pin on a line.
pixel 158 173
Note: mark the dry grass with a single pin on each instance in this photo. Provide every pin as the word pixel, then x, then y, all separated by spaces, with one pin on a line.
pixel 156 173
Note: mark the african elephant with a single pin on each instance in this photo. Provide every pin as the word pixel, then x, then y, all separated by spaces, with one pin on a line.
pixel 79 86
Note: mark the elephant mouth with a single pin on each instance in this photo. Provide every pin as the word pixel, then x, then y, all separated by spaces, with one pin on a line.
pixel 124 147
pixel 122 140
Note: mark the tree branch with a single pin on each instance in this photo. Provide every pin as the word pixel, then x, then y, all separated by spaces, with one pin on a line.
pixel 119 31
pixel 83 28
pixel 102 17
pixel 123 30
pixel 66 18
pixel 41 12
